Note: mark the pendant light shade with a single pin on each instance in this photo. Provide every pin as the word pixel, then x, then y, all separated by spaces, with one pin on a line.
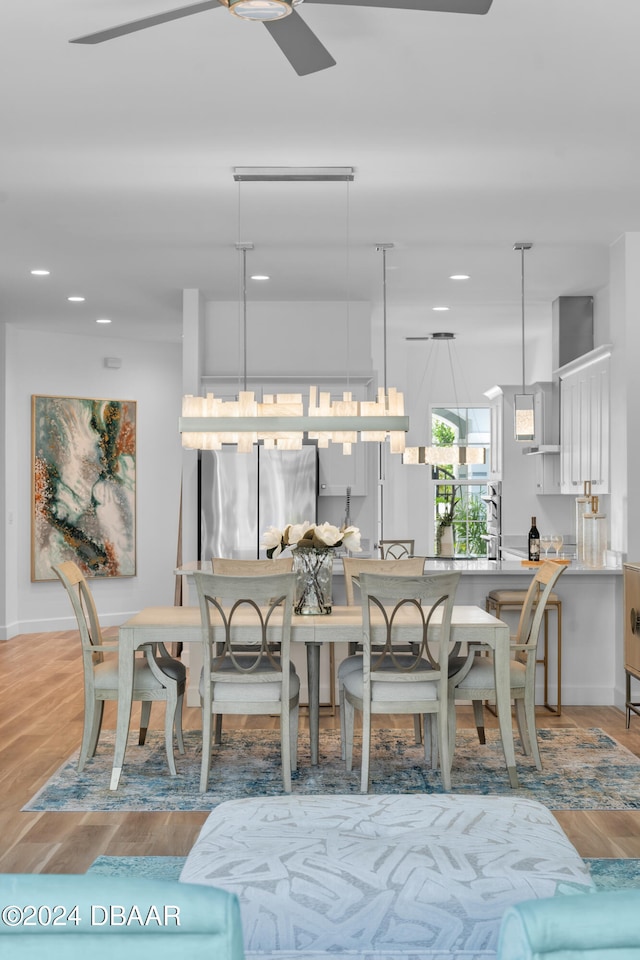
pixel 524 412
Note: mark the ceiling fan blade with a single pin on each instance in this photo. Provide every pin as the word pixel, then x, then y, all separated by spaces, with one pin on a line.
pixel 145 22
pixel 300 45
pixel 436 6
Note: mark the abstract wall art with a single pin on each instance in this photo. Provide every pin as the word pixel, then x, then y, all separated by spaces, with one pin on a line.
pixel 83 486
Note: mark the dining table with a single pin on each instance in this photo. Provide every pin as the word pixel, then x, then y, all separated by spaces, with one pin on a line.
pixel 470 625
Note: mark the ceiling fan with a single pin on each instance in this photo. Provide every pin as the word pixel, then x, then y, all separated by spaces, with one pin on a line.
pixel 297 41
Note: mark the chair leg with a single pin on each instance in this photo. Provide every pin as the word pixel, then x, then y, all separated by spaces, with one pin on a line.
pixel 521 720
pixel 218 732
pixel 169 719
pixel 417 727
pixel 451 727
pixel 90 732
pixel 145 716
pixel 178 723
pixel 206 750
pixel 285 747
pixel 478 717
pixel 441 720
pixel 293 734
pixel 366 752
pixel 430 742
pixel 530 720
pixel 349 721
pixel 341 708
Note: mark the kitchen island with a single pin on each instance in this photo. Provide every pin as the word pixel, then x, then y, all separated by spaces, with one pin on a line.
pixel 592 622
pixel 592 627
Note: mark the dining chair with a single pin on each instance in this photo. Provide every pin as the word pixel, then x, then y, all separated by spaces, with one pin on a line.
pixel 396 549
pixel 235 680
pixel 228 567
pixel 476 681
pixel 390 682
pixel 353 566
pixel 157 676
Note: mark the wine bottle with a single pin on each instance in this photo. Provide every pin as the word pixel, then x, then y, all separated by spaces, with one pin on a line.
pixel 534 541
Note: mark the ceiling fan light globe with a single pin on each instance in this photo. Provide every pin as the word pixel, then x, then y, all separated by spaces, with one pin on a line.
pixel 261 10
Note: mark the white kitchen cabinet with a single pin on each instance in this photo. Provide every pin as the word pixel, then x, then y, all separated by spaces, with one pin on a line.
pixel 584 422
pixel 337 471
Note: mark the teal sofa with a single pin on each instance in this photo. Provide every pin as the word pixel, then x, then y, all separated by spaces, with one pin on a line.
pixel 599 926
pixel 85 917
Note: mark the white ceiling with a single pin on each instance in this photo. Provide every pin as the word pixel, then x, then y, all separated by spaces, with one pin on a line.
pixel 467 134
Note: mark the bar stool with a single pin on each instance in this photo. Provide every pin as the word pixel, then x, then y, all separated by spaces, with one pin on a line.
pixel 498 600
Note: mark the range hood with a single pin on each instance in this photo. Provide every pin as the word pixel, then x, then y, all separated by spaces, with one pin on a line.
pixel 572 337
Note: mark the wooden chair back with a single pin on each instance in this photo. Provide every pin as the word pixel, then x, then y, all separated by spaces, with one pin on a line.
pixel 251 568
pixel 535 602
pixel 396 549
pixel 389 605
pixel 84 607
pixel 354 566
pixel 221 600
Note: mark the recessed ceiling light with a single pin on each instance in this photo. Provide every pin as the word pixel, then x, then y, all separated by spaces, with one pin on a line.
pixel 75 299
pixel 40 273
pixel 103 320
pixel 459 276
pixel 440 308
pixel 260 276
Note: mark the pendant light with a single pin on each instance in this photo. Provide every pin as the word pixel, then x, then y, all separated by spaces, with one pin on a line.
pixel 279 421
pixel 524 414
pixel 455 454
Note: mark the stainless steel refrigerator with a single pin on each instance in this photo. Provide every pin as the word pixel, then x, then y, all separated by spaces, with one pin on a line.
pixel 241 494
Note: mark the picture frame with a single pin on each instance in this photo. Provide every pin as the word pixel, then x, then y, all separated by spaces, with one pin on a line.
pixel 84 466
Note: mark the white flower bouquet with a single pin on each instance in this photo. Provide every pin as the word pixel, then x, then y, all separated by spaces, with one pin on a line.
pixel 320 536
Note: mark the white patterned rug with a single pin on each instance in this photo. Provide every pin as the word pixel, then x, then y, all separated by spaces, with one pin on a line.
pixel 583 770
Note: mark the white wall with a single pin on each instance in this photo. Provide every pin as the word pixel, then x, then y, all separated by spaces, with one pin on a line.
pixel 296 338
pixel 150 373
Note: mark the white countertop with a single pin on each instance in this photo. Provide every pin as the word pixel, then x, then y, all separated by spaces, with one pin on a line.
pixel 512 567
pixel 478 567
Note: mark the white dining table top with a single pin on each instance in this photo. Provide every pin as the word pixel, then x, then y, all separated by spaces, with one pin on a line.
pixel 468 622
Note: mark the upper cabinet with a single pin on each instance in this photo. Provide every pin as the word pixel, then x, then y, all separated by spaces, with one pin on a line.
pixel 338 471
pixel 496 406
pixel 584 422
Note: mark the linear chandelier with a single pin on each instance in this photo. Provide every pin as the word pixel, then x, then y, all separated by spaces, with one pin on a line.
pixel 455 454
pixel 279 421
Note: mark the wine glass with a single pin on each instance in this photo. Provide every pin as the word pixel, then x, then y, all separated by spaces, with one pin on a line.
pixel 545 542
pixel 556 541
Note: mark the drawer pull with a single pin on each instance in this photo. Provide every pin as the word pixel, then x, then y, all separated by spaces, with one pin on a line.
pixel 635 621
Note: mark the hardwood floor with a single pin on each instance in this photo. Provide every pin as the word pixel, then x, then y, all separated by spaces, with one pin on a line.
pixel 40 726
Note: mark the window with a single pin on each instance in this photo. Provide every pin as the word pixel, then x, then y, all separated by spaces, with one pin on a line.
pixel 459 488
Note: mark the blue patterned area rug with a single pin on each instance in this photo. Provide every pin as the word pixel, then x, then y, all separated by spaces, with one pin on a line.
pixel 606 874
pixel 583 770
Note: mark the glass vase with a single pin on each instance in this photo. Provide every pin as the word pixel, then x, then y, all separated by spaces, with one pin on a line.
pixel 314 571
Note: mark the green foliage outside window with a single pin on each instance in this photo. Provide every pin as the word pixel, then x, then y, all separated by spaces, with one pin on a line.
pixel 458 504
